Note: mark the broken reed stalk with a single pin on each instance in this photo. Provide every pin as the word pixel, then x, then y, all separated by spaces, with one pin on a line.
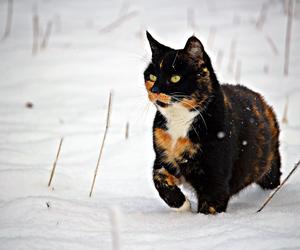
pixel 262 16
pixel 266 69
pixel 55 162
pixel 46 35
pixel 9 18
pixel 211 37
pixel 288 36
pixel 285 112
pixel 127 131
pixel 114 215
pixel 118 22
pixel 191 19
pixel 272 45
pixel 231 55
pixel 219 59
pixel 276 190
pixel 35 29
pixel 103 141
pixel 238 71
pixel 57 23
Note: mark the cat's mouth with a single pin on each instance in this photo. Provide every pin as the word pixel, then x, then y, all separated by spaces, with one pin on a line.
pixel 159 99
pixel 164 100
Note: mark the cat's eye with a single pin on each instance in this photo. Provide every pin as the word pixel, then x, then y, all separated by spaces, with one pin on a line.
pixel 175 78
pixel 152 78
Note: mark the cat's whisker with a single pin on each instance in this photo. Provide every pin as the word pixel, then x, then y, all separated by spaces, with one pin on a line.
pixel 197 135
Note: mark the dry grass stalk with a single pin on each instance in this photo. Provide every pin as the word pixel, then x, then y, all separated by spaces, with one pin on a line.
pixel 238 71
pixel 35 29
pixel 114 215
pixel 285 112
pixel 219 59
pixel 55 162
pixel 103 141
pixel 272 45
pixel 266 69
pixel 191 19
pixel 46 35
pixel 288 36
pixel 211 37
pixel 277 189
pixel 231 55
pixel 127 131
pixel 262 16
pixel 115 24
pixel 57 23
pixel 9 17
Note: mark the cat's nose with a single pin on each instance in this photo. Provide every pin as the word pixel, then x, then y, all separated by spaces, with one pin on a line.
pixel 155 89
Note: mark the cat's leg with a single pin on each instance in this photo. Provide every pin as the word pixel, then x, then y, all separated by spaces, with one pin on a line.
pixel 213 195
pixel 166 185
pixel 209 203
pixel 271 179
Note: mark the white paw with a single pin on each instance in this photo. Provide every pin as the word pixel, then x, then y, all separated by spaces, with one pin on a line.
pixel 186 206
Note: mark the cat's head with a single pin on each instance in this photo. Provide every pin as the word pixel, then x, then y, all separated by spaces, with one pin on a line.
pixel 182 76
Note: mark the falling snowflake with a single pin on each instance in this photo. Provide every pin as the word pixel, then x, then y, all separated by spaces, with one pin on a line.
pixel 221 135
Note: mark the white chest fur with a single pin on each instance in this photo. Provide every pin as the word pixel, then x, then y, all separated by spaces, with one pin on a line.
pixel 179 120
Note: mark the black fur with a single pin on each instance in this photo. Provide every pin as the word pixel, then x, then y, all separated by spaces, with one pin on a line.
pixel 232 142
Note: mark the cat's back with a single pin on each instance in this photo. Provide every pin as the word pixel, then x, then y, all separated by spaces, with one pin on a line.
pixel 248 105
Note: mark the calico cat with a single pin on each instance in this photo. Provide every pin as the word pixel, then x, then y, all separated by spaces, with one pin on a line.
pixel 217 138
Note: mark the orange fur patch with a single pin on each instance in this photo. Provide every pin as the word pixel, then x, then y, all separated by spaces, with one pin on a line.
pixel 153 96
pixel 212 210
pixel 163 176
pixel 149 85
pixel 226 101
pixel 189 103
pixel 173 151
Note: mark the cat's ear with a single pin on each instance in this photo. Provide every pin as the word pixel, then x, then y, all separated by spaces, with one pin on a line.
pixel 194 47
pixel 158 49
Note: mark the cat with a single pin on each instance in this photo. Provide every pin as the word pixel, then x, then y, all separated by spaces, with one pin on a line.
pixel 218 138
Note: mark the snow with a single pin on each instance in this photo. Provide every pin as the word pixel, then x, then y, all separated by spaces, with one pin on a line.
pixel 68 84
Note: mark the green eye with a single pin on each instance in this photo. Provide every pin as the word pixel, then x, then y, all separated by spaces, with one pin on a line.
pixel 152 77
pixel 175 78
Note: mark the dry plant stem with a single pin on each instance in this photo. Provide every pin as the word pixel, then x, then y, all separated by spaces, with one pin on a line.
pixel 272 45
pixel 103 141
pixel 211 37
pixel 115 228
pixel 232 55
pixel 47 35
pixel 9 18
pixel 219 59
pixel 127 131
pixel 35 27
pixel 54 164
pixel 238 71
pixel 285 112
pixel 191 19
pixel 277 189
pixel 118 22
pixel 262 16
pixel 288 36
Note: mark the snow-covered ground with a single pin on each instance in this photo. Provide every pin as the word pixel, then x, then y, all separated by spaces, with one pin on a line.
pixel 98 46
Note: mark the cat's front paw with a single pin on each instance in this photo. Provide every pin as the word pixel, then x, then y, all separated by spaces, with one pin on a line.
pixel 186 206
pixel 205 208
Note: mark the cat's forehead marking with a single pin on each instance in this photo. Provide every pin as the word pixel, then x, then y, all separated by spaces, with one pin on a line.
pixel 161 63
pixel 173 64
